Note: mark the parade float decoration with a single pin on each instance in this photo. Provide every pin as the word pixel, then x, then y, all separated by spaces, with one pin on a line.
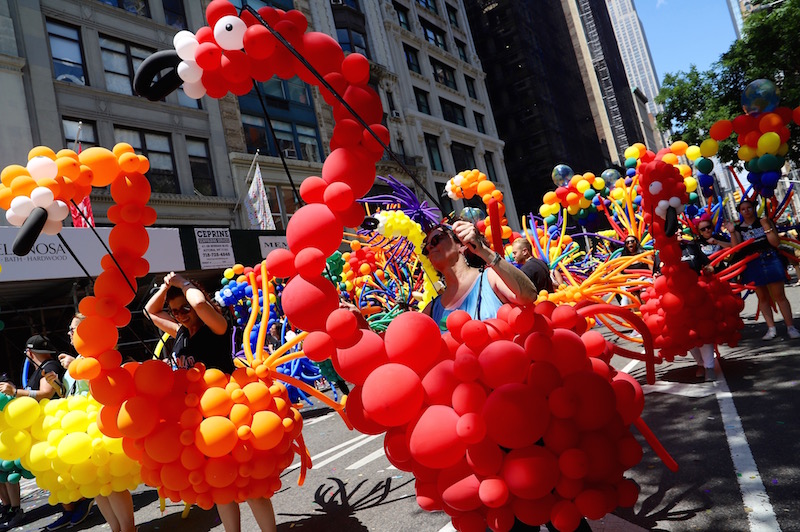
pixel 465 411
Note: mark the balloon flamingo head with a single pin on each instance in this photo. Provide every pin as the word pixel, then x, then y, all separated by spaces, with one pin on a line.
pixel 663 193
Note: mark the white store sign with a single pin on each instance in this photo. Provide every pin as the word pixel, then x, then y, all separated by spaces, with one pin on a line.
pixel 214 247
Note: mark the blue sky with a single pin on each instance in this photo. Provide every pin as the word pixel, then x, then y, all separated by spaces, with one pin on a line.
pixel 685 32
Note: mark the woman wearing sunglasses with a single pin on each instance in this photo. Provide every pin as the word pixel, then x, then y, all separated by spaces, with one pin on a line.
pixel 477 279
pixel 710 242
pixel 201 332
pixel 766 271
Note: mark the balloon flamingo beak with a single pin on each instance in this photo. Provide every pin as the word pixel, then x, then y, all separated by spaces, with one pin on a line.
pixel 29 231
pixel 671 224
pixel 146 81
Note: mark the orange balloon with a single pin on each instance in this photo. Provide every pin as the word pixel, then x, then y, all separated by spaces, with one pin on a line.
pixel 216 436
pixel 485 187
pixel 5 197
pixel 137 418
pixel 68 167
pixel 107 421
pixel 267 430
pixel 240 415
pixel 121 148
pixel 104 165
pixel 95 335
pixel 258 395
pixel 85 369
pixel 215 378
pixel 162 444
pixel 192 459
pixel 215 402
pixel 154 378
pixel 22 185
pixel 41 151
pixel 221 472
pixel 66 153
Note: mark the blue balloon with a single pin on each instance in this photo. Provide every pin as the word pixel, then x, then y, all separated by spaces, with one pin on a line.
pixel 628 181
pixel 561 175
pixel 760 96
pixel 630 172
pixel 770 179
pixel 705 180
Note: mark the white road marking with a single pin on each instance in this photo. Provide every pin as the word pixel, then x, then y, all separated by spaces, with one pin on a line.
pixel 694 390
pixel 342 453
pixel 317 419
pixel 367 459
pixel 760 513
pixel 448 528
pixel 632 364
pixel 329 451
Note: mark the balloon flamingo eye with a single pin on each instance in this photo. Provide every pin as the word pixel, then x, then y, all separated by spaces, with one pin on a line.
pixel 655 188
pixel 229 33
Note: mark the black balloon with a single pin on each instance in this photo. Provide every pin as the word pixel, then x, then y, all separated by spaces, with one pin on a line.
pixel 29 232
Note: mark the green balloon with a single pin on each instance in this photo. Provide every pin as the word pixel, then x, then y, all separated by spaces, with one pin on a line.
pixel 630 162
pixel 693 196
pixel 590 193
pixel 14 478
pixel 27 474
pixel 550 220
pixel 582 213
pixel 706 166
pixel 769 162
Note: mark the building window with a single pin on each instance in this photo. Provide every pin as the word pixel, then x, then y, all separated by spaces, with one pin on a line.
pixel 432 145
pixel 286 5
pixel 428 4
pixel 273 193
pixel 274 88
pixel 444 199
pixel 488 159
pixel 174 14
pixel 452 15
pixel 284 138
pixel 137 7
pixel 433 34
pixel 120 61
pixel 297 91
pixel 463 156
pixel 479 125
pixel 412 59
pixel 462 51
pixel 200 163
pixel 443 74
pixel 309 144
pixel 352 41
pixel 422 101
pixel 452 112
pixel 402 16
pixel 67 53
pixel 470 83
pixel 255 134
pixel 78 135
pixel 157 147
pixel 185 101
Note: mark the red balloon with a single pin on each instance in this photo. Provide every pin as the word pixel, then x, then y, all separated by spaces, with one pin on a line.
pixel 503 362
pixel 309 262
pixel 307 303
pixel 235 67
pixel 339 84
pixel 312 189
pixel 137 418
pixel 428 497
pixel 534 513
pixel 338 196
pixel 573 463
pixel 475 335
pixel 516 415
pixel 392 395
pixel 364 100
pixel 208 56
pixel 112 387
pixel 570 352
pixel 628 493
pixel 629 397
pixel 493 492
pixel 530 473
pixel 413 350
pixel 324 53
pixel 596 402
pixel 358 417
pixel 543 376
pixel 396 447
pixel 595 343
pixel 455 321
pixel 721 129
pixel 485 457
pixel 347 166
pixel 355 363
pixel 471 428
pixel 369 142
pixel 434 440
pixel 561 435
pixel 259 43
pixel 355 69
pixel 314 225
pixel 280 263
pixel 154 378
pixel 462 494
pixel 341 324
pixel 353 216
pixel 218 9
pixel 565 516
pixel 439 383
pixel 564 316
pixel 468 397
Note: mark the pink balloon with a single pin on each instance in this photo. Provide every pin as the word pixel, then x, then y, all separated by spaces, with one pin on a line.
pixel 392 395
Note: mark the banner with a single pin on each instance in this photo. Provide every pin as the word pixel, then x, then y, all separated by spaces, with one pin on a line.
pixel 50 259
pixel 257 204
pixel 85 207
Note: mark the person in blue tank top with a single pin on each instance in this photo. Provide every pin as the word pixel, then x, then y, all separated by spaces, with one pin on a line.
pixel 477 279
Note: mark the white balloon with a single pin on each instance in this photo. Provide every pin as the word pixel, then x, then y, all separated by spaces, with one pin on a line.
pixel 457 180
pixel 675 201
pixel 189 71
pixel 186 46
pixel 655 187
pixel 52 227
pixel 42 167
pixel 194 90
pixel 22 205
pixel 58 210
pixel 42 197
pixel 229 32
pixel 14 218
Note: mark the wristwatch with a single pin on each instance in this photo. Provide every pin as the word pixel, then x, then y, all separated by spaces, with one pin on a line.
pixel 187 283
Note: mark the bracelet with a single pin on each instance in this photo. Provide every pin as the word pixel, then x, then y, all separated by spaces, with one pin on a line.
pixel 496 259
pixel 187 284
pixel 767 230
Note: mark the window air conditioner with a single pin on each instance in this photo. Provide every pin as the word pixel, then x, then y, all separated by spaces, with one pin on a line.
pixel 337 2
pixel 290 154
pixel 395 114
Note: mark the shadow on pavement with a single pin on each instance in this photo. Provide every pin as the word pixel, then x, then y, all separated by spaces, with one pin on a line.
pixel 337 507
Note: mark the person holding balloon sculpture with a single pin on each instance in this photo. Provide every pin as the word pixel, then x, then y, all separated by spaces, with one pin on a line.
pixel 766 272
pixel 202 335
pixel 39 352
pixel 117 507
pixel 476 278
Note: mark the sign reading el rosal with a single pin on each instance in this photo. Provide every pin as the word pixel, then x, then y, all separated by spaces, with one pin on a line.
pixel 50 259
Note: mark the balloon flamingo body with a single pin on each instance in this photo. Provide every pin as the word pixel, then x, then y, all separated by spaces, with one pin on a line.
pixel 682 309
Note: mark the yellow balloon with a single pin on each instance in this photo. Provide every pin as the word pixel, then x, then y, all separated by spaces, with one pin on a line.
pixel 746 153
pixel 768 143
pixel 584 203
pixel 632 152
pixel 75 448
pixel 783 150
pixel 14 443
pixel 670 158
pixel 693 153
pixel 691 184
pixel 583 185
pixel 685 170
pixel 36 459
pixel 21 412
pixel 544 210
pixel 75 421
pixel 709 148
pixel 599 183
pixel 84 473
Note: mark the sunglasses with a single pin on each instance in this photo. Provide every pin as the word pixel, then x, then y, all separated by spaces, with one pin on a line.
pixel 434 241
pixel 706 228
pixel 186 309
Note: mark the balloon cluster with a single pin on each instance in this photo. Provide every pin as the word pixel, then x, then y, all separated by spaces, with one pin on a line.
pixel 360 263
pixel 581 194
pixel 762 133
pixel 60 443
pixel 518 416
pixel 681 309
pixel 470 183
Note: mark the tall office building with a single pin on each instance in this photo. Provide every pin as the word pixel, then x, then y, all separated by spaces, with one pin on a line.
pixel 537 93
pixel 430 80
pixel 604 76
pixel 736 8
pixel 635 51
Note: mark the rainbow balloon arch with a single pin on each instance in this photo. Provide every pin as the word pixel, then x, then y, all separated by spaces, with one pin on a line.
pixel 520 416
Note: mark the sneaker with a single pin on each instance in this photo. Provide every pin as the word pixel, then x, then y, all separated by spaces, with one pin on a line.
pixel 81 511
pixel 711 375
pixel 61 522
pixel 792 332
pixel 699 372
pixel 15 518
pixel 5 510
pixel 771 333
